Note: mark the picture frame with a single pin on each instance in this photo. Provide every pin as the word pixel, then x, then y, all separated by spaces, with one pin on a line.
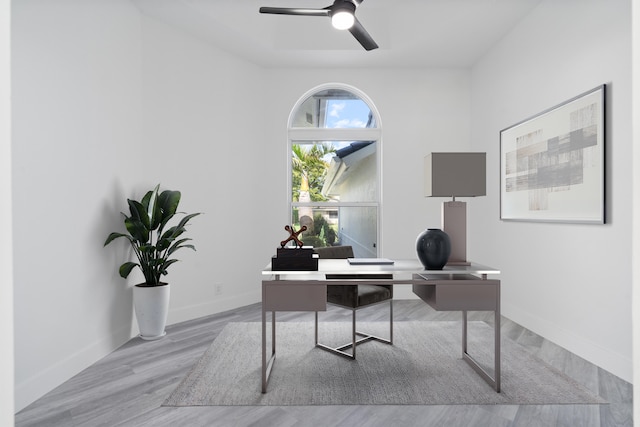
pixel 552 165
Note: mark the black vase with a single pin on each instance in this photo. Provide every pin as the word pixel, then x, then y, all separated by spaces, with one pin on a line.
pixel 434 247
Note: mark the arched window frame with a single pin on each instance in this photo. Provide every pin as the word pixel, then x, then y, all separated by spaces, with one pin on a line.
pixel 338 134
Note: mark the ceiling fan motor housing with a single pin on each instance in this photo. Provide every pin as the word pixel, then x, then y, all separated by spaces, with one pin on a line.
pixel 343 6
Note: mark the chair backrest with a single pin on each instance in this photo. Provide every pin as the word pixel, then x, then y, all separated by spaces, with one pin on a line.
pixel 341 252
pixel 334 252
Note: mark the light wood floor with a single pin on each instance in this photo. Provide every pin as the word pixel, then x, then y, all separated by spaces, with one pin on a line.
pixel 128 387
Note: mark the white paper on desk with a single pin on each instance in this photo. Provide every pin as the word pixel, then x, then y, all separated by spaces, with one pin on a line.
pixel 369 261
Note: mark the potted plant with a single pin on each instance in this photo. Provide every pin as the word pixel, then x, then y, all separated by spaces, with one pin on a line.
pixel 153 244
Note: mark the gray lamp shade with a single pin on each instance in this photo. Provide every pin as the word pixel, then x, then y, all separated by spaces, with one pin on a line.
pixel 455 174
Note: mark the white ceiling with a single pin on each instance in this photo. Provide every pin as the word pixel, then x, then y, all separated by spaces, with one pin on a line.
pixel 410 33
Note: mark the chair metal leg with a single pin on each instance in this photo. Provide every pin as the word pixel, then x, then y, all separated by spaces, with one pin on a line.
pixel 391 321
pixel 354 341
pixel 353 333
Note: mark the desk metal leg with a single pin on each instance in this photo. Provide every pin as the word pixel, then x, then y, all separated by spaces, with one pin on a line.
pixel 264 351
pixel 464 333
pixel 497 350
pixel 267 364
pixel 495 380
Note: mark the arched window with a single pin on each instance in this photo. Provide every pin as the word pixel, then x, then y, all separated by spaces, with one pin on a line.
pixel 334 169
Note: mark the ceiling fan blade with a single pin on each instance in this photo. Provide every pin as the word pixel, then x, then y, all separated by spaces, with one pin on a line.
pixel 362 36
pixel 295 11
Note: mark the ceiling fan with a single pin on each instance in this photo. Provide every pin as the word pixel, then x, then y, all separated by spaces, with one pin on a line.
pixel 342 14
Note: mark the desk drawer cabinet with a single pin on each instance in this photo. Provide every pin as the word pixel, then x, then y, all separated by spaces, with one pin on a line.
pixel 283 296
pixel 460 294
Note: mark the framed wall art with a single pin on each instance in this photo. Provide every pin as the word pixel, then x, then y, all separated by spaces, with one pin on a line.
pixel 552 165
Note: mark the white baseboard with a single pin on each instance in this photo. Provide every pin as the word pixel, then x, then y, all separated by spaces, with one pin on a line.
pixel 208 308
pixel 600 356
pixel 46 380
pixel 43 382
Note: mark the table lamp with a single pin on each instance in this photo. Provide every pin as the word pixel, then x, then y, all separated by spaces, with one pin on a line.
pixel 455 175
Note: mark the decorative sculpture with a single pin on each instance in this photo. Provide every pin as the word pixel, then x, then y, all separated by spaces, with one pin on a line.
pixel 293 235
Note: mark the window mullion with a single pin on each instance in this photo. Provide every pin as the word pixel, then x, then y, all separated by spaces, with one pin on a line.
pixel 319 134
pixel 334 204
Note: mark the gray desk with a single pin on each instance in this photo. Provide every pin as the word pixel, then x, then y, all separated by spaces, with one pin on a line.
pixel 455 288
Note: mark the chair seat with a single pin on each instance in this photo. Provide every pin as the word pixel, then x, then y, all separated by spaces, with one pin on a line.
pixel 353 296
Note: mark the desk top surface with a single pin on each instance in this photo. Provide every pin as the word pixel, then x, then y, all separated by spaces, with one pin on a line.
pixel 399 266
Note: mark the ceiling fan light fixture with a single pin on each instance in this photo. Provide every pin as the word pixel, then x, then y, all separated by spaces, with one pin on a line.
pixel 342 14
pixel 342 20
pixel 342 17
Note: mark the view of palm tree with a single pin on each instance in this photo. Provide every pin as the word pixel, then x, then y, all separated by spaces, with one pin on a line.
pixel 309 167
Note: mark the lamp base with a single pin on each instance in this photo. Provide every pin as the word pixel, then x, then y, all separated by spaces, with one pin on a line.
pixel 454 223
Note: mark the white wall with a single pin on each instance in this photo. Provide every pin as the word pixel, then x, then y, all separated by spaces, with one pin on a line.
pixel 204 116
pixel 6 256
pixel 76 130
pixel 635 82
pixel 421 111
pixel 570 283
pixel 107 104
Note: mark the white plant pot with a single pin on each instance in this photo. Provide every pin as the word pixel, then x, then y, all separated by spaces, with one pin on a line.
pixel 151 304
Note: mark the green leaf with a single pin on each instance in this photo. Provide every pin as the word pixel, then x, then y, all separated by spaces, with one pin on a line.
pixel 154 262
pixel 147 248
pixel 172 233
pixel 163 244
pixel 163 268
pixel 175 231
pixel 147 199
pixel 126 268
pixel 175 248
pixel 154 208
pixel 169 201
pixel 179 242
pixel 164 222
pixel 114 236
pixel 138 212
pixel 139 232
pixel 186 219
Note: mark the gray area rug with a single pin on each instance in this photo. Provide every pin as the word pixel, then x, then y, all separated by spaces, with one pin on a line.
pixel 423 367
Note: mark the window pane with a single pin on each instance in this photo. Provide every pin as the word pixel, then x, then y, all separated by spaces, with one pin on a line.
pixel 340 226
pixel 334 109
pixel 334 138
pixel 333 171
